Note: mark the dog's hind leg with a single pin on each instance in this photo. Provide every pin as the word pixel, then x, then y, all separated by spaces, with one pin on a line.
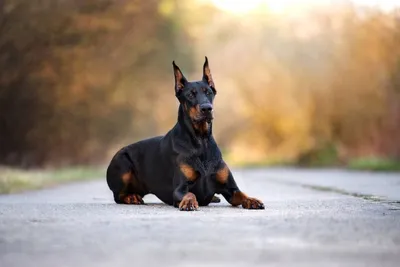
pixel 126 188
pixel 131 192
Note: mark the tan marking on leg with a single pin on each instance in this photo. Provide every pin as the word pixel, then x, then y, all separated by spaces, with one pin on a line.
pixel 222 174
pixel 253 203
pixel 127 199
pixel 189 172
pixel 189 202
pixel 126 177
pixel 132 199
pixel 238 198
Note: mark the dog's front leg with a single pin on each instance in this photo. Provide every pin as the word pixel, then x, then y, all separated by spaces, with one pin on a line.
pixel 183 199
pixel 227 187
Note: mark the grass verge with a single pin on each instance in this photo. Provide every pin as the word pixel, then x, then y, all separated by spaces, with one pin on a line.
pixel 17 180
pixel 261 164
pixel 374 164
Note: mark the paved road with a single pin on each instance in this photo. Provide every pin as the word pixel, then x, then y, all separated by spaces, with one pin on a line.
pixel 312 218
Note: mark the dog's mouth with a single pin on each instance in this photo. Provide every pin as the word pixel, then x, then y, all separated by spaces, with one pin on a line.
pixel 201 119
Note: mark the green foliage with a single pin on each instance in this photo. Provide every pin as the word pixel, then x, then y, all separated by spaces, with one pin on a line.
pixel 323 156
pixel 374 164
pixel 17 180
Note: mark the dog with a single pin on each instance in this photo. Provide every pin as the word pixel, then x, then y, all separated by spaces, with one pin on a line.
pixel 183 168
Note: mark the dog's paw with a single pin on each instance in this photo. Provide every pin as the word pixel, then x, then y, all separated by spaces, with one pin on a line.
pixel 189 203
pixel 253 203
pixel 133 199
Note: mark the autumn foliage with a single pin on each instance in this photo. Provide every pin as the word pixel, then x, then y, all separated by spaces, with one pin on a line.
pixel 79 79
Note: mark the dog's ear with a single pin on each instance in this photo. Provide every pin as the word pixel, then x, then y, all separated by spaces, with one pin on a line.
pixel 207 76
pixel 180 80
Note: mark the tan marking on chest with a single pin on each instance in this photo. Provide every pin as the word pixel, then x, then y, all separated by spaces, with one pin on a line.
pixel 204 127
pixel 201 127
pixel 222 175
pixel 189 172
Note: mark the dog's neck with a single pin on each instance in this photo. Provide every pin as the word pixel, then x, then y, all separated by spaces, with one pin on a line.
pixel 198 131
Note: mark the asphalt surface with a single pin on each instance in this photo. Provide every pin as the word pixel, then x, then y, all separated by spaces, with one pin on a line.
pixel 312 218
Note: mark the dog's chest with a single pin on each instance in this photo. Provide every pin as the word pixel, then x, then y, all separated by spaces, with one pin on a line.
pixel 207 162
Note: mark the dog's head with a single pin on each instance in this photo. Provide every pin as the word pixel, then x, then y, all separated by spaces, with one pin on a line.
pixel 197 97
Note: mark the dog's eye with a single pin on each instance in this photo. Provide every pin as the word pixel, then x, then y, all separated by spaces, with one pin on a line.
pixel 208 92
pixel 190 95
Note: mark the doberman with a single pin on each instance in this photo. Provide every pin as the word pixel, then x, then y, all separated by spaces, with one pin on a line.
pixel 183 168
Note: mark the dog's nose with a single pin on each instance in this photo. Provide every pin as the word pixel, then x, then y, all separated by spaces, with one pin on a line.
pixel 206 108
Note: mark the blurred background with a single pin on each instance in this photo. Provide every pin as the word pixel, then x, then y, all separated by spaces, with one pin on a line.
pixel 307 83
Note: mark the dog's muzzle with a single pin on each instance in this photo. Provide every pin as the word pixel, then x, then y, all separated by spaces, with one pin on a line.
pixel 207 111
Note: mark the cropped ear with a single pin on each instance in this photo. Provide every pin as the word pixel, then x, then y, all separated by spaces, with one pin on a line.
pixel 180 80
pixel 207 76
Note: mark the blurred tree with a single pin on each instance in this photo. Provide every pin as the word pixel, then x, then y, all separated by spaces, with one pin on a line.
pixel 316 86
pixel 79 77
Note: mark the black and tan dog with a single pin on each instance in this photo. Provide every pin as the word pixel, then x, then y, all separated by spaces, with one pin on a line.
pixel 184 168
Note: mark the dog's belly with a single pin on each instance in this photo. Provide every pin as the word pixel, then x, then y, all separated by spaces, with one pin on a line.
pixel 154 168
pixel 161 185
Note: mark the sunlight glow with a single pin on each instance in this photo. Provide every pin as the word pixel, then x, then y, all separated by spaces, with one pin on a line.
pixel 240 7
pixel 237 6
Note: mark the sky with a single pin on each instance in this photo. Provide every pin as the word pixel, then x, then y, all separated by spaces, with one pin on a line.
pixel 278 6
